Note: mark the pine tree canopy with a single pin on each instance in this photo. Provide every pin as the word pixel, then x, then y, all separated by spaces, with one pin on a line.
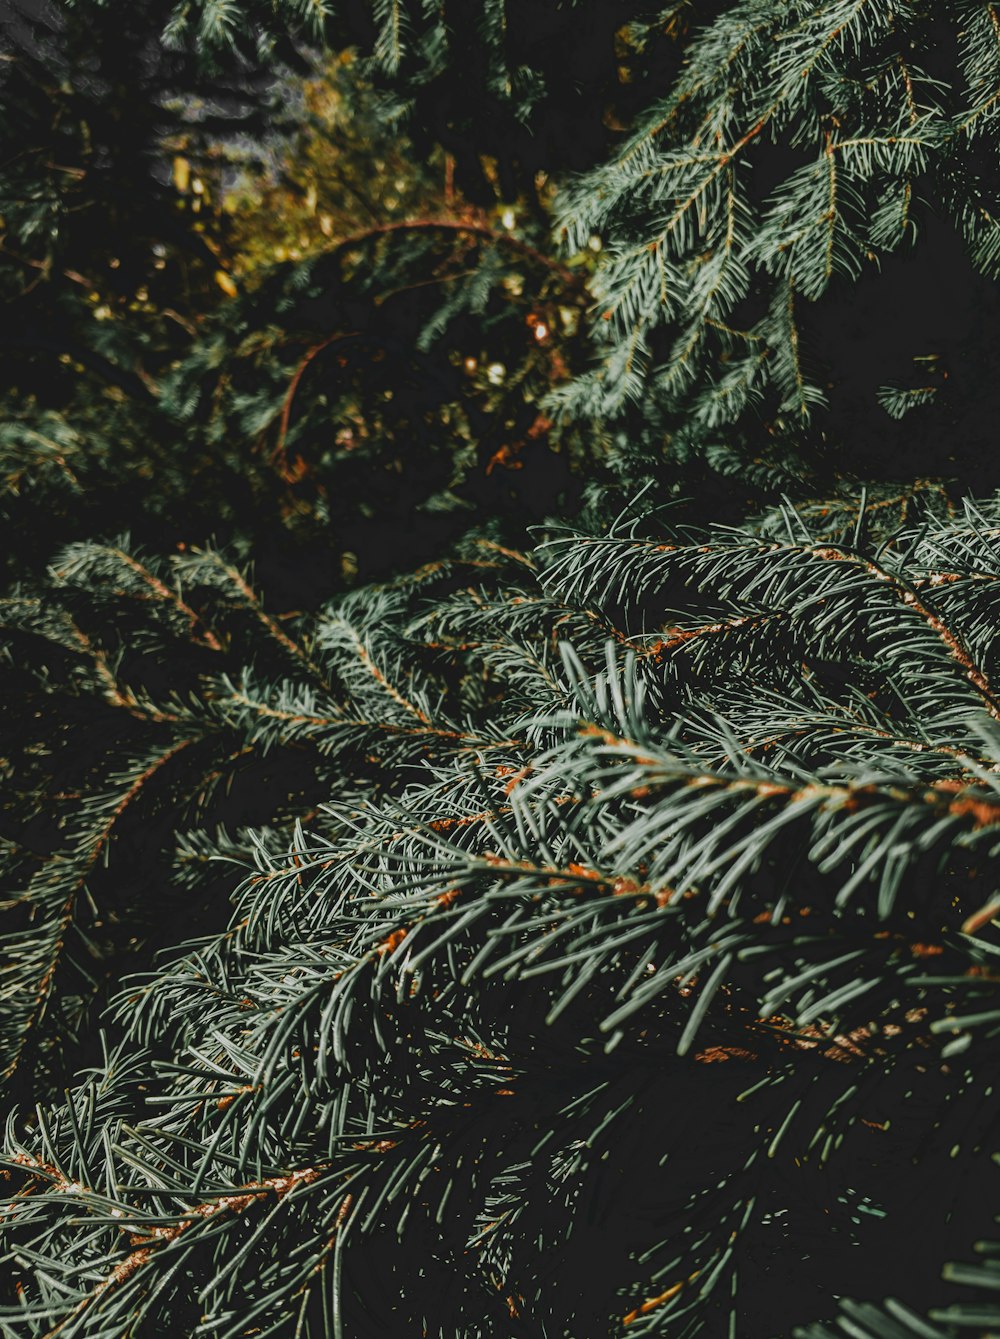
pixel 499 669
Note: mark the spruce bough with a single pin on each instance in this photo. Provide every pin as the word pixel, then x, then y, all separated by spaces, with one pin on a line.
pixel 654 993
pixel 592 938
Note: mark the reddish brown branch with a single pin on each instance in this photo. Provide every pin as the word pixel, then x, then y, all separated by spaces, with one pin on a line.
pixel 471 228
pixel 912 600
pixel 208 637
pixel 278 455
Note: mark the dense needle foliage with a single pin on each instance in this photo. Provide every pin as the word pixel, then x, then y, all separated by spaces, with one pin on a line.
pixel 645 916
pixel 499 675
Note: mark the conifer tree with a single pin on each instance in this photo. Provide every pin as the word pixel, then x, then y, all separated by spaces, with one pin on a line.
pixel 589 930
pixel 818 296
pixel 635 976
pixel 167 358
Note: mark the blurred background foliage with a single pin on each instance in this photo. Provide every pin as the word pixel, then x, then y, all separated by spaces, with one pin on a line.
pixel 263 290
pixel 262 316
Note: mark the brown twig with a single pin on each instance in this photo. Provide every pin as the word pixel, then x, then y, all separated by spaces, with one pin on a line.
pixel 471 227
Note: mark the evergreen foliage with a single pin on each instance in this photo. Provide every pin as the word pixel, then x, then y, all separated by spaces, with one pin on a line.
pixel 419 416
pixel 770 359
pixel 152 711
pixel 159 364
pixel 793 151
pixel 752 159
pixel 642 947
pixel 420 915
